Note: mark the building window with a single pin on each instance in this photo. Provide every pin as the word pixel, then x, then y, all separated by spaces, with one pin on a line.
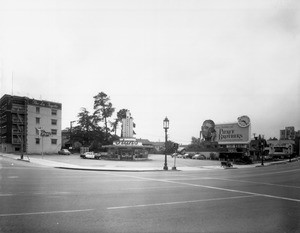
pixel 37 132
pixel 37 109
pixel 54 122
pixel 37 141
pixel 54 131
pixel 37 120
pixel 53 112
pixel 54 141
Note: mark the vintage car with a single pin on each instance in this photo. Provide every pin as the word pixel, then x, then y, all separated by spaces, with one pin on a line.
pixel 90 155
pixel 64 152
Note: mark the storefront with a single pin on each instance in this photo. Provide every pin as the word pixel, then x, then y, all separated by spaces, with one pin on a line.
pixel 128 149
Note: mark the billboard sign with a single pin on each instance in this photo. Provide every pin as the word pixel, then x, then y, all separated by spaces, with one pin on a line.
pixel 234 133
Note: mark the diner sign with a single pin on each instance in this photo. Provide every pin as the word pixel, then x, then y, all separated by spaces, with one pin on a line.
pixel 127 143
pixel 232 133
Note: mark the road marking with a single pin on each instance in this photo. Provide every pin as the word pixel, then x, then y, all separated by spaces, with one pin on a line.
pixel 270 173
pixel 36 193
pixel 157 187
pixel 50 193
pixel 50 212
pixel 178 202
pixel 212 187
pixel 6 194
pixel 239 191
pixel 252 182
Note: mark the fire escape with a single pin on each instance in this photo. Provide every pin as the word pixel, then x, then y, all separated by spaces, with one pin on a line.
pixel 18 125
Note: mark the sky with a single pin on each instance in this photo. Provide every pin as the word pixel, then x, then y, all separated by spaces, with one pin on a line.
pixel 189 60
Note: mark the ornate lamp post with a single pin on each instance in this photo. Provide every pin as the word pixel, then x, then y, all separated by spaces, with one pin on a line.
pixel 166 127
pixel 71 124
pixel 261 149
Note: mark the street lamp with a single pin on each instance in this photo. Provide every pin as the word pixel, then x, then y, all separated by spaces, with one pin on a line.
pixel 261 149
pixel 71 124
pixel 166 127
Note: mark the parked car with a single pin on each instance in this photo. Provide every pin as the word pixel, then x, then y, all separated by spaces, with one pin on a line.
pixel 268 157
pixel 198 156
pixel 90 155
pixel 64 152
pixel 243 160
pixel 180 155
pixel 187 156
pixel 174 155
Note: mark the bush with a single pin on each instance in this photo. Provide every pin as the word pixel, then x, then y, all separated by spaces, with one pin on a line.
pixel 213 156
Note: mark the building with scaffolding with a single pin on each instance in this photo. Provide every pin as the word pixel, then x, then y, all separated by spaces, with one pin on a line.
pixel 29 125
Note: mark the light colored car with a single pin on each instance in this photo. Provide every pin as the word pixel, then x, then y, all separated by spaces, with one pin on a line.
pixel 64 152
pixel 174 155
pixel 179 155
pixel 90 155
pixel 186 156
pixel 198 156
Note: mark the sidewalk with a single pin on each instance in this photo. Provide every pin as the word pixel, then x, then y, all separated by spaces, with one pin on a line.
pixel 155 163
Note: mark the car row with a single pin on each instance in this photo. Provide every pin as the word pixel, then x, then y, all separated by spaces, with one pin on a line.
pixel 189 156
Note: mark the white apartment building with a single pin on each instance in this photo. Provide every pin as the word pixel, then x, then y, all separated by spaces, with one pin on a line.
pixel 33 126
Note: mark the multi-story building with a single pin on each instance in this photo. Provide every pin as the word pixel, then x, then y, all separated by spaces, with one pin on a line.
pixel 127 126
pixel 29 125
pixel 289 133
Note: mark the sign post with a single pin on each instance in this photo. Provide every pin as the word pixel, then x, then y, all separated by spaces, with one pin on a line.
pixel 43 134
pixel 176 145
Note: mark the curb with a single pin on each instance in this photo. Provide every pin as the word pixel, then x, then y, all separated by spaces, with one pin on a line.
pixel 74 167
pixel 24 160
pixel 108 169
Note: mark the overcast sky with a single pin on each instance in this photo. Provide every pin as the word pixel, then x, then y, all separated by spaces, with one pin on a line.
pixel 189 60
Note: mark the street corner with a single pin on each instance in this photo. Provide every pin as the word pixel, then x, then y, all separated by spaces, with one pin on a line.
pixel 23 160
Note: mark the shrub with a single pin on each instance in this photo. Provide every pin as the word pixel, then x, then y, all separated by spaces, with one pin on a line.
pixel 213 156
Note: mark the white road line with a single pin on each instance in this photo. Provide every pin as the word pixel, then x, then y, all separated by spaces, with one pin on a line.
pixel 178 202
pixel 239 191
pixel 156 187
pixel 6 194
pixel 270 173
pixel 252 182
pixel 212 187
pixel 36 193
pixel 50 212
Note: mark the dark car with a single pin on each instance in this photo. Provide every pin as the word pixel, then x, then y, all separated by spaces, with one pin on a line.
pixel 64 152
pixel 244 160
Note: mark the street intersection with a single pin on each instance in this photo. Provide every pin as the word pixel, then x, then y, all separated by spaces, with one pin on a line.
pixel 36 198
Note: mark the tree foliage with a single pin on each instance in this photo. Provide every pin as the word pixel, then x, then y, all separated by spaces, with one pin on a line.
pixel 86 121
pixel 92 129
pixel 103 109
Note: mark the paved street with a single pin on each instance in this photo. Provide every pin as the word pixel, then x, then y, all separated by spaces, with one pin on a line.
pixel 36 198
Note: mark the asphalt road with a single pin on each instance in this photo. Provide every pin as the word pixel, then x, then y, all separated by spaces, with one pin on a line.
pixel 39 199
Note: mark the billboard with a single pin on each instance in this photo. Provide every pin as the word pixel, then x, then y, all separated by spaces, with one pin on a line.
pixel 229 133
pixel 232 133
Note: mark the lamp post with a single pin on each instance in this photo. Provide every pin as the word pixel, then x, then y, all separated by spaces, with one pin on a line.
pixel 71 124
pixel 166 127
pixel 261 149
